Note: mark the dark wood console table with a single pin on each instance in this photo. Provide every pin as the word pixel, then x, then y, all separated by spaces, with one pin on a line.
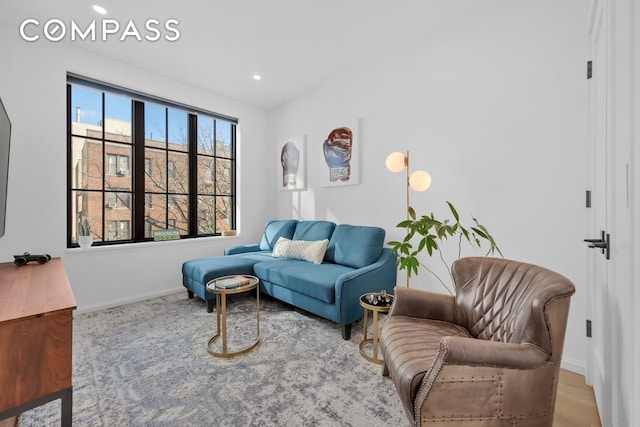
pixel 36 320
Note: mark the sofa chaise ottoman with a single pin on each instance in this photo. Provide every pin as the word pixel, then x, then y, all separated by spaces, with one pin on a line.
pixel 350 260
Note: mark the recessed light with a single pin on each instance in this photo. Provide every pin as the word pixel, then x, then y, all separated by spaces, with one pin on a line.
pixel 99 9
pixel 257 77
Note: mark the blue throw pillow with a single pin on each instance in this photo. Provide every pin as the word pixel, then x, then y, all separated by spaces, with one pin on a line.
pixel 275 229
pixel 355 245
pixel 313 230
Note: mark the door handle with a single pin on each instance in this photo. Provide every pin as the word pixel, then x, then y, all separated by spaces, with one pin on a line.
pixel 604 243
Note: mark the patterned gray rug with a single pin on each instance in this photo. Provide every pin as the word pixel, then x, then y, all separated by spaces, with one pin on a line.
pixel 146 364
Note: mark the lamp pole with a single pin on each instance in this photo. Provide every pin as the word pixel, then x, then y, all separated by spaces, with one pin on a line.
pixel 395 162
pixel 406 166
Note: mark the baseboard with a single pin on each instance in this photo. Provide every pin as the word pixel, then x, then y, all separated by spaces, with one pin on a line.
pixel 124 301
pixel 573 366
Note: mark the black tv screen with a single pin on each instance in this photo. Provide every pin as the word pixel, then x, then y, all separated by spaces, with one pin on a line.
pixel 5 139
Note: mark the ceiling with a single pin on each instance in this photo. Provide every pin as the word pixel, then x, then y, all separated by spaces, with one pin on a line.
pixel 295 45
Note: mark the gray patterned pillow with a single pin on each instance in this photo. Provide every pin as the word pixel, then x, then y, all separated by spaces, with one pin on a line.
pixel 306 250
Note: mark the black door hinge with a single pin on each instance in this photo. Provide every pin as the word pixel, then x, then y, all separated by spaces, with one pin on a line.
pixel 588 328
pixel 589 69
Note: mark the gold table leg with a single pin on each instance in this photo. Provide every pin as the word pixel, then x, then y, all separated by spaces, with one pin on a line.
pixel 374 338
pixel 375 335
pixel 223 299
pixel 221 327
pixel 365 322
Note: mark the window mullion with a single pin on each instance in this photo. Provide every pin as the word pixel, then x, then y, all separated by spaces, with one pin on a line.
pixel 70 171
pixel 104 172
pixel 233 176
pixel 138 171
pixel 193 175
pixel 165 153
pixel 215 174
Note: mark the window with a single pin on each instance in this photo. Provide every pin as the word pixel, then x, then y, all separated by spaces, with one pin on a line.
pixel 117 164
pixel 118 200
pixel 118 230
pixel 112 161
pixel 171 168
pixel 138 164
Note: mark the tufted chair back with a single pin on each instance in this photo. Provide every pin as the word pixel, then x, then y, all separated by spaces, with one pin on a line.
pixel 503 300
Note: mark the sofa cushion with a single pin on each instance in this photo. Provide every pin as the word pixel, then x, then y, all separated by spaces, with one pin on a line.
pixel 355 245
pixel 314 230
pixel 275 229
pixel 204 269
pixel 316 281
pixel 311 251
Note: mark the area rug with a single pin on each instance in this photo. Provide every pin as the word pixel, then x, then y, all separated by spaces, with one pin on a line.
pixel 146 364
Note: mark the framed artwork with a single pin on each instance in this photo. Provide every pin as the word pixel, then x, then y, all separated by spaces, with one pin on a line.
pixel 339 154
pixel 292 160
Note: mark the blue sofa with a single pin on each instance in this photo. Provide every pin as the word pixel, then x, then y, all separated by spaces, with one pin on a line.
pixel 355 262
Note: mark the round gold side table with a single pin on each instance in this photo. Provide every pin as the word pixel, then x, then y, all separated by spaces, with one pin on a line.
pixel 376 303
pixel 217 286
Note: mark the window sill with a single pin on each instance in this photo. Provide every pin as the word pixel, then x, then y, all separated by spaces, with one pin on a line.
pixel 150 244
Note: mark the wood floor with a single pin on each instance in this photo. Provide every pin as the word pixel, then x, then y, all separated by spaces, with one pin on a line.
pixel 8 422
pixel 575 404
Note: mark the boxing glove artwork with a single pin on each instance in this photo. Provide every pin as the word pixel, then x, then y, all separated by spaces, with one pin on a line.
pixel 290 159
pixel 337 153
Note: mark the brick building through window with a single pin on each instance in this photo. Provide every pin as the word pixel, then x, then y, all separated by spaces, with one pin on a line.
pixel 104 186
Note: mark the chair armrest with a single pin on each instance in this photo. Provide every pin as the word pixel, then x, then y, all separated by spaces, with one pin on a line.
pixel 241 249
pixel 479 352
pixel 423 304
pixel 509 380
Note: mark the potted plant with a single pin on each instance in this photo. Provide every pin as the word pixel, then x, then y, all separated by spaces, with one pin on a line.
pixel 85 239
pixel 431 233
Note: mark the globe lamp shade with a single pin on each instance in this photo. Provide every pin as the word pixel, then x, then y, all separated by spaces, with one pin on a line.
pixel 420 180
pixel 395 162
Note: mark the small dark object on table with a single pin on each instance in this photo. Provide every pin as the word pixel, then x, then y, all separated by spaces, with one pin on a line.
pixel 27 257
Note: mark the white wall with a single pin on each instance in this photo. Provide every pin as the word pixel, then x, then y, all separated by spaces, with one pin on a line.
pixel 634 335
pixel 32 87
pixel 495 109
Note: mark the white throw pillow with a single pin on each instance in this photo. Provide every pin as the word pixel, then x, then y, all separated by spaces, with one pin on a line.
pixel 312 251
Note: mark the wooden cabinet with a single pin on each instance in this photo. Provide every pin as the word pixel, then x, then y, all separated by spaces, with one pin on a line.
pixel 36 322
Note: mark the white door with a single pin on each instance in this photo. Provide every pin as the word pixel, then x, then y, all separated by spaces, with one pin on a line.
pixel 599 358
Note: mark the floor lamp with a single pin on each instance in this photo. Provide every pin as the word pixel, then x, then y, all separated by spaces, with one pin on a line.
pixel 418 181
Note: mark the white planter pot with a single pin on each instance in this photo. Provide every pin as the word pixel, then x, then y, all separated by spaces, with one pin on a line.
pixel 85 241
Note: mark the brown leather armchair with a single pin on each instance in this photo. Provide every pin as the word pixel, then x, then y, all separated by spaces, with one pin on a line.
pixel 488 356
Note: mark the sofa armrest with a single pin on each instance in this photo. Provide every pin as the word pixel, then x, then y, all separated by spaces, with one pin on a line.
pixel 371 278
pixel 479 352
pixel 241 249
pixel 423 304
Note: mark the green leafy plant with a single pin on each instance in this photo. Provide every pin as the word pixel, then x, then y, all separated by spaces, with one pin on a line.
pixel 430 234
pixel 84 228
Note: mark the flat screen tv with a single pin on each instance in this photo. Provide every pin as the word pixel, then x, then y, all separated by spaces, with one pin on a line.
pixel 5 140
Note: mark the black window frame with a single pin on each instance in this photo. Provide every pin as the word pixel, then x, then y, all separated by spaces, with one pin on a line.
pixel 138 168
